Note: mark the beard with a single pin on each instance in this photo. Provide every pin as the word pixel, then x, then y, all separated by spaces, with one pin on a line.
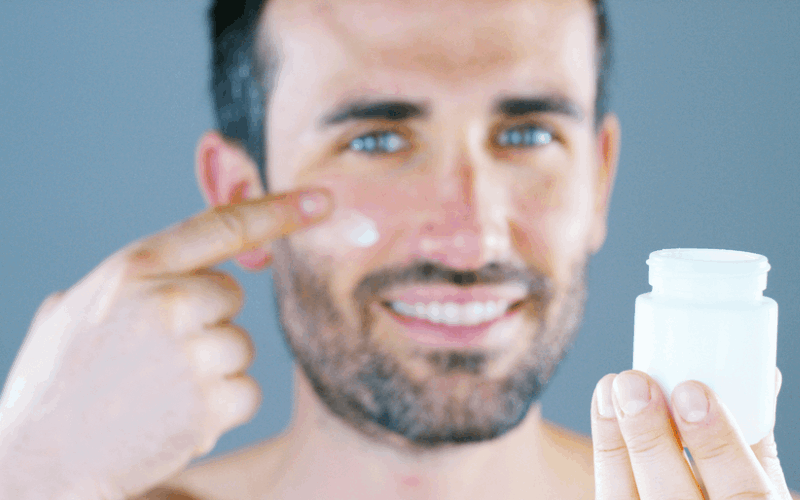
pixel 366 385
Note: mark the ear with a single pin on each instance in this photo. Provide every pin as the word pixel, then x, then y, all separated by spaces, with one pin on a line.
pixel 608 145
pixel 226 175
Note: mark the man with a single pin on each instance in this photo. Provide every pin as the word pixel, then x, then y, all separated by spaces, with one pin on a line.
pixel 468 161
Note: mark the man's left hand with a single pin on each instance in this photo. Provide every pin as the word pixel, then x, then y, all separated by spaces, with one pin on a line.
pixel 638 453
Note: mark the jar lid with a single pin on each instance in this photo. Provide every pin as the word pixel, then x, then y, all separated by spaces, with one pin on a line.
pixel 707 261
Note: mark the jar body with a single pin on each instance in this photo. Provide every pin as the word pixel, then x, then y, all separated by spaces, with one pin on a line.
pixel 729 345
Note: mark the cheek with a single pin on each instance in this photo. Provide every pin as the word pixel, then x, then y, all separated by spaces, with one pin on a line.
pixel 548 224
pixel 344 235
pixel 532 204
pixel 368 217
pixel 352 241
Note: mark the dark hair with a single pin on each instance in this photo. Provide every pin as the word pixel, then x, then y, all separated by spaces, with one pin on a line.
pixel 243 75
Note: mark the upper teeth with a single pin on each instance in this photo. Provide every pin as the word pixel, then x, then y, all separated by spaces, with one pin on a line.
pixel 453 314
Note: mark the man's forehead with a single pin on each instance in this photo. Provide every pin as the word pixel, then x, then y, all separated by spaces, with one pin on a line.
pixel 536 45
pixel 459 28
pixel 377 17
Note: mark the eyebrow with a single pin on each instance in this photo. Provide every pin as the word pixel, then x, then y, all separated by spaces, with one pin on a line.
pixel 512 107
pixel 374 110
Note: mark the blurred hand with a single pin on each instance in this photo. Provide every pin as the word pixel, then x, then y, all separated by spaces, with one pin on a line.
pixel 137 369
pixel 638 452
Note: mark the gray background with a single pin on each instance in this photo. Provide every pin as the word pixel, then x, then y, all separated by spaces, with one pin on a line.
pixel 102 104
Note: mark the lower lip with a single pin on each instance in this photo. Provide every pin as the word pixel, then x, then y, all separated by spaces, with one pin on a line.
pixel 438 334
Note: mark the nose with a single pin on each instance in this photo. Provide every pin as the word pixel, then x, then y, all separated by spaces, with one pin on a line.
pixel 467 226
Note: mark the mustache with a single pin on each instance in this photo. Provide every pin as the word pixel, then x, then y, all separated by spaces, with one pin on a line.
pixel 426 272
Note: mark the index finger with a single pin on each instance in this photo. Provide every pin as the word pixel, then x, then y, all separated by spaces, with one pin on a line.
pixel 613 475
pixel 220 233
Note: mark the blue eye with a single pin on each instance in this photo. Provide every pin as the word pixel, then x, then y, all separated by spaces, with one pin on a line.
pixel 528 135
pixel 387 142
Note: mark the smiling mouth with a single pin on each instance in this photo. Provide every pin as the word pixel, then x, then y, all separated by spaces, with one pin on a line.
pixel 471 324
pixel 451 314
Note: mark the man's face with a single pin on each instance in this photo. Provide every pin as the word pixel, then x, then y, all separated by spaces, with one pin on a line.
pixel 481 178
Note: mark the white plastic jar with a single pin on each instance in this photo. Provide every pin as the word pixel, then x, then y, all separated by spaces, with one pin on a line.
pixel 708 320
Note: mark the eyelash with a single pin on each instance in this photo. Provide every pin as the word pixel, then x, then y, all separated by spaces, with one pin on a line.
pixel 368 143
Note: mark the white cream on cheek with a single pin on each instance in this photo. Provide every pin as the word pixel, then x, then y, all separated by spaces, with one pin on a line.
pixel 345 230
pixel 360 230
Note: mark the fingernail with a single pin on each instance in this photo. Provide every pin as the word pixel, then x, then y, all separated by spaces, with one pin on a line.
pixel 313 204
pixel 691 402
pixel 604 405
pixel 633 392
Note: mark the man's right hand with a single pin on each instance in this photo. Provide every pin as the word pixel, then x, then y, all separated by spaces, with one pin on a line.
pixel 137 369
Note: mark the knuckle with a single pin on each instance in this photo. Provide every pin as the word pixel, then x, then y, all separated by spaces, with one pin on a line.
pixel 231 284
pixel 235 400
pixel 224 351
pixel 248 389
pixel 170 291
pixel 141 258
pixel 231 304
pixel 611 453
pixel 230 220
pixel 220 281
pixel 230 287
pixel 719 447
pixel 239 336
pixel 253 390
pixel 647 444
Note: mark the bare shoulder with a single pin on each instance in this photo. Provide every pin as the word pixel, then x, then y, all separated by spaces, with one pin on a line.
pixel 244 473
pixel 572 456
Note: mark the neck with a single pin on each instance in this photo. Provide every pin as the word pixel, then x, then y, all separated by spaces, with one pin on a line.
pixel 324 457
